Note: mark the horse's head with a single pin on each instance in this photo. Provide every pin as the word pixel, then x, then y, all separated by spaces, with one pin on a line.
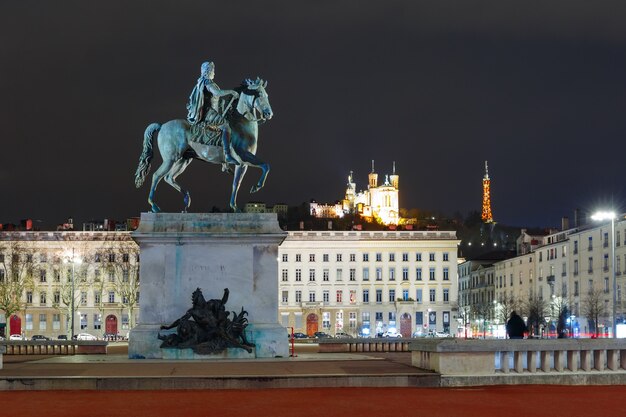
pixel 253 102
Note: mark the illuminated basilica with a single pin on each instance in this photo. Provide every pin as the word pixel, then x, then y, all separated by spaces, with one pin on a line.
pixel 377 203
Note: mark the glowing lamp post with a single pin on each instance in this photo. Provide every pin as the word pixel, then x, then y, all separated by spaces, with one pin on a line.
pixel 602 216
pixel 73 260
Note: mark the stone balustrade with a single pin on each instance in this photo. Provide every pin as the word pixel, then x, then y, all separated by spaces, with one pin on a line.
pixel 518 356
pixel 54 347
pixel 364 345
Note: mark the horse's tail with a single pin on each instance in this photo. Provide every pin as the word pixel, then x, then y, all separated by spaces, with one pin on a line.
pixel 146 155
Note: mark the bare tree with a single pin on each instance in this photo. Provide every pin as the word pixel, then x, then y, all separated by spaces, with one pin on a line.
pixel 535 309
pixel 505 306
pixel 123 266
pixel 16 276
pixel 594 306
pixel 482 311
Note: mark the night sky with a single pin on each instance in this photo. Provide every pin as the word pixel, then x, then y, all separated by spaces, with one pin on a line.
pixel 537 88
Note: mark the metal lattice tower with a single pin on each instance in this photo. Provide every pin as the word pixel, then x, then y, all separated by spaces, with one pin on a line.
pixel 486 214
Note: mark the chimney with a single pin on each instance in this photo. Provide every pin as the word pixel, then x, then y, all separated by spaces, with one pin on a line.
pixel 564 223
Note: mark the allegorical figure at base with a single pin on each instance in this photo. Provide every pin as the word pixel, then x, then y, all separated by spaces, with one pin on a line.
pixel 206 327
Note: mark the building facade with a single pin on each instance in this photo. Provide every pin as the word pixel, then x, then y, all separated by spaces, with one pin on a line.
pixel 46 278
pixel 368 283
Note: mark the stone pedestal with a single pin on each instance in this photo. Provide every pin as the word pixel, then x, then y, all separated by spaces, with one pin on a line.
pixel 182 252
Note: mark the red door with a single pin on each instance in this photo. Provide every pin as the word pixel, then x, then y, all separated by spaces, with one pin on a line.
pixel 111 325
pixel 405 325
pixel 311 324
pixel 15 325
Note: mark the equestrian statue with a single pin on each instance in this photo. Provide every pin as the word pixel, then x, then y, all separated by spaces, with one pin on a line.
pixel 215 131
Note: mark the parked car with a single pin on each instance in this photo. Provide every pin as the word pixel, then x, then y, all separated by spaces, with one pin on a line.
pixel 62 337
pixel 39 337
pixel 85 336
pixel 16 337
pixel 300 335
pixel 321 335
pixel 342 335
pixel 392 333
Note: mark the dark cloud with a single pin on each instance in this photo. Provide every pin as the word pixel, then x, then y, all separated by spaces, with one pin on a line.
pixel 537 88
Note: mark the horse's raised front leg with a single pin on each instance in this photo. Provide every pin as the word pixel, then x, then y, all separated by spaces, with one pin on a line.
pixel 240 171
pixel 156 178
pixel 177 169
pixel 252 159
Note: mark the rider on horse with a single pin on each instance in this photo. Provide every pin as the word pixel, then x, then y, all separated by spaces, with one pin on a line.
pixel 204 107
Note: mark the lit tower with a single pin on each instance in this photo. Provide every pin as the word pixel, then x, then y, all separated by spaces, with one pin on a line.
pixel 486 215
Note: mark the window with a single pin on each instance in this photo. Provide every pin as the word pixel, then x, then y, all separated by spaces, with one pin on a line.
pixel 325 257
pixel 325 275
pixel 111 257
pixel 298 275
pixel 392 296
pixel 97 321
pixel 125 276
pixel 590 270
pixel 83 321
pixel 379 274
pixel 97 257
pixel 97 299
pixel 418 257
pixel 352 257
pixel 2 275
pixel 285 257
pixel 56 297
pixel 83 298
pixel 379 257
pixel 125 257
pixel 298 257
pixel 29 297
pixel 405 295
pixel 285 275
pixel 418 295
pixel 125 299
pixel 606 240
pixel 405 274
pixel 575 266
pixel 352 274
pixel 312 257
pixel 96 275
pixel 56 321
pixel 379 296
pixel 338 257
pixel 111 296
pixel 366 296
pixel 575 288
pixel 42 299
pixel 446 274
pixel 432 295
pixel 590 243
pixel 298 296
pixel 311 275
pixel 339 274
pixel 43 322
pixel 431 274
pixel 431 257
pixel 366 274
pixel 326 296
pixel 29 321
pixel 405 257
pixel 339 296
pixel 311 296
pixel 111 276
pixel 42 275
pixel 445 256
pixel 575 247
pixel 379 316
pixel 392 257
pixel 285 296
pixel 605 266
pixel 446 295
pixel 352 322
pixel 392 274
pixel 606 284
pixel 366 257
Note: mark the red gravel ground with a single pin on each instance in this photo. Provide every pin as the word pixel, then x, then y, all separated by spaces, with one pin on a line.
pixel 500 401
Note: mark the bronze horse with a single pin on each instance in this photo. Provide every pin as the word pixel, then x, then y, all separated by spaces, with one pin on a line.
pixel 177 149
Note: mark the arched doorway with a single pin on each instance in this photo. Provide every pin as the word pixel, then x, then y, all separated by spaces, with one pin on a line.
pixel 15 325
pixel 111 324
pixel 311 324
pixel 405 325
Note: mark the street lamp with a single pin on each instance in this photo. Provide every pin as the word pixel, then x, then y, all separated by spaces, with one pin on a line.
pixel 73 259
pixel 601 216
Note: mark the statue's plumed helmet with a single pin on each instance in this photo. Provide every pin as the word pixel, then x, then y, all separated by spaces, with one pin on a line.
pixel 206 67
